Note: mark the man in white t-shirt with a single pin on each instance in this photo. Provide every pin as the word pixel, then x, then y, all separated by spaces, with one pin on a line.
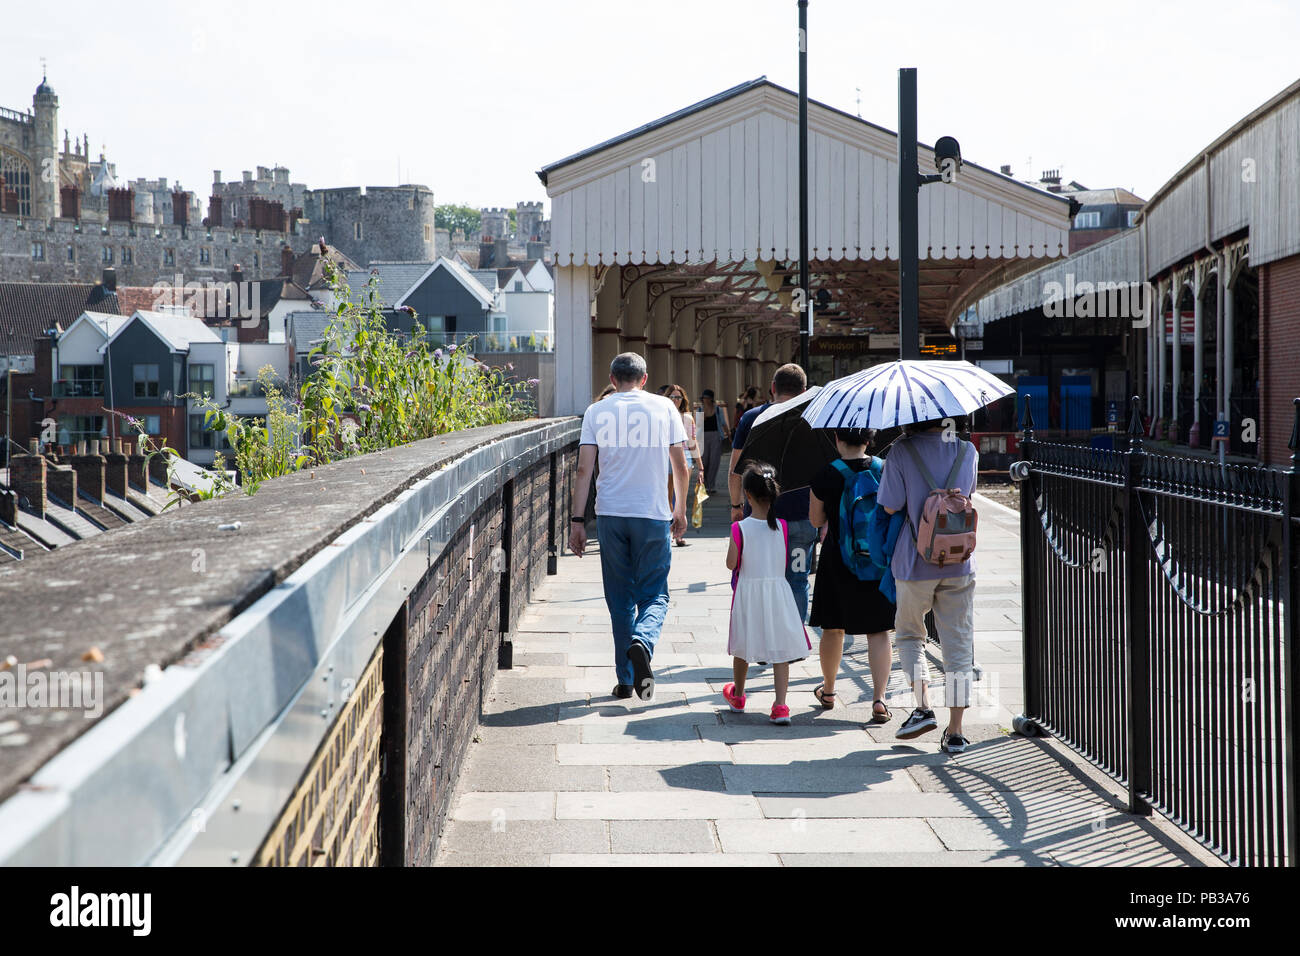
pixel 640 439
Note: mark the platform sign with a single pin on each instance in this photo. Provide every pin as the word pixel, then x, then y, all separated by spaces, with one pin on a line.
pixel 1112 416
pixel 1220 430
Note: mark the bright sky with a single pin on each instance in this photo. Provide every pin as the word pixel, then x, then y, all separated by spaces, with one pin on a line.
pixel 472 98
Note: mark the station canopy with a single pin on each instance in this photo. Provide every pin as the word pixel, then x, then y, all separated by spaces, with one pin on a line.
pixel 703 203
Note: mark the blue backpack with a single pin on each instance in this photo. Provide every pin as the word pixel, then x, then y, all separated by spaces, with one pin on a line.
pixel 856 504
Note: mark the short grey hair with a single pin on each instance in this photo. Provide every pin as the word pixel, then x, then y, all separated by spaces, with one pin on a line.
pixel 627 367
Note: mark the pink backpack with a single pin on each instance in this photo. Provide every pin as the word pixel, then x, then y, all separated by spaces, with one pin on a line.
pixel 946 533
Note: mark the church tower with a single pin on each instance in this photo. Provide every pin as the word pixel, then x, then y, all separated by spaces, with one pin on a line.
pixel 45 153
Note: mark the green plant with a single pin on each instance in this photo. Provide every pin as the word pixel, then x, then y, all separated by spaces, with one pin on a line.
pixel 151 450
pixel 263 449
pixel 369 389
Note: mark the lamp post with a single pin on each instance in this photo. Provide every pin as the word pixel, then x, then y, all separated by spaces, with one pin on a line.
pixel 947 159
pixel 805 303
pixel 9 405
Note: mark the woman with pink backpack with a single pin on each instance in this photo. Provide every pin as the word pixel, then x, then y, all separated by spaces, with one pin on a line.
pixel 929 475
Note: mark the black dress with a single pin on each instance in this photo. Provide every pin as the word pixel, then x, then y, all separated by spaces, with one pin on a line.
pixel 841 600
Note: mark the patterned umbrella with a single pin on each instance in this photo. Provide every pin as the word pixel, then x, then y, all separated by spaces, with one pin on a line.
pixel 903 392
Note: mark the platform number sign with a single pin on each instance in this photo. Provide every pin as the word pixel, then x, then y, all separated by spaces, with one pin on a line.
pixel 1221 430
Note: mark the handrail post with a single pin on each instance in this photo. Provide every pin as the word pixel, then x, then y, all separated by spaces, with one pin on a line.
pixel 1289 587
pixel 1033 593
pixel 552 557
pixel 1138 633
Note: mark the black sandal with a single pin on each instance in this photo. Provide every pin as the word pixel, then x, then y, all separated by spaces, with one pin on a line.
pixel 884 718
pixel 826 700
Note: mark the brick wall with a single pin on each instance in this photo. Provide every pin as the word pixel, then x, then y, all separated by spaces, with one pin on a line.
pixel 333 817
pixel 428 678
pixel 1279 356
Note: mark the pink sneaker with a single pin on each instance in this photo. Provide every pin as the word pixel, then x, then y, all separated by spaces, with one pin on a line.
pixel 734 701
pixel 780 714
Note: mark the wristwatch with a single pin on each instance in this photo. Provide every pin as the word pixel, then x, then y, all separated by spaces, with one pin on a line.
pixel 579 518
pixel 741 507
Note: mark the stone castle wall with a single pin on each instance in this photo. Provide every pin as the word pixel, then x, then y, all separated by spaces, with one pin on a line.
pixel 257 252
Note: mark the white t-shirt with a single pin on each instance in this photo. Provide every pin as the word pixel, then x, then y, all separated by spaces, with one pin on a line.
pixel 632 432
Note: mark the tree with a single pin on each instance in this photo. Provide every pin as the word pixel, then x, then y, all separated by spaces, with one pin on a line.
pixel 452 217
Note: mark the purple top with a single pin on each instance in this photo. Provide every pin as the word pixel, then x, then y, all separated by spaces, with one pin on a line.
pixel 901 485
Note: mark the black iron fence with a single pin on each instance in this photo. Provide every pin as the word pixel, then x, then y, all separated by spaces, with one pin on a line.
pixel 1159 625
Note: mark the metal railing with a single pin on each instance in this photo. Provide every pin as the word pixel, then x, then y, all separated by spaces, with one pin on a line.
pixel 79 388
pixel 1159 630
pixel 253 388
pixel 539 340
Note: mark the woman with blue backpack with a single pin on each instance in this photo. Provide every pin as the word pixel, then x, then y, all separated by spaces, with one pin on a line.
pixel 848 594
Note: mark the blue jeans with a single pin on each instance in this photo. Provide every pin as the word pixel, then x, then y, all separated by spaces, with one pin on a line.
pixel 634 557
pixel 802 536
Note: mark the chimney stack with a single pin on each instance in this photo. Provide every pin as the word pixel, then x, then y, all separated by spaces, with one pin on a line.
pixel 28 478
pixel 89 465
pixel 115 469
pixel 110 279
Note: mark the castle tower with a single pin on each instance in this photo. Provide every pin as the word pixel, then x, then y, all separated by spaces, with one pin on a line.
pixel 45 153
pixel 494 222
pixel 528 218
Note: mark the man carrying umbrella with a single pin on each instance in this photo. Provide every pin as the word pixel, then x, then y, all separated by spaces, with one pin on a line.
pixel 788 383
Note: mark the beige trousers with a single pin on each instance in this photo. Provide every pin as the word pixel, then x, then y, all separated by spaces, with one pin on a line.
pixel 953 602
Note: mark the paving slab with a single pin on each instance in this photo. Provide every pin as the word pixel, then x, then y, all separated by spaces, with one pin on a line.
pixel 702 777
pixel 882 804
pixel 490 769
pixel 460 858
pixel 759 778
pixel 646 754
pixel 507 837
pixel 827 836
pixel 667 859
pixel 507 805
pixel 948 858
pixel 656 805
pixel 661 836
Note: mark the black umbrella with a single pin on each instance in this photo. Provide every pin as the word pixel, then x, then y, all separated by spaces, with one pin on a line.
pixel 782 438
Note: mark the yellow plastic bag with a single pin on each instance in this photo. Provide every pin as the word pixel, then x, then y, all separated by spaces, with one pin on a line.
pixel 697 508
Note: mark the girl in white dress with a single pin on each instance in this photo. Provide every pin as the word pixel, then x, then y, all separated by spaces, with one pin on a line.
pixel 765 625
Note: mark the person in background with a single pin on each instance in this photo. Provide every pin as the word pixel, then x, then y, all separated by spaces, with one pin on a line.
pixel 716 429
pixel 749 398
pixel 927 452
pixel 677 395
pixel 765 626
pixel 843 602
pixel 792 507
pixel 640 440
